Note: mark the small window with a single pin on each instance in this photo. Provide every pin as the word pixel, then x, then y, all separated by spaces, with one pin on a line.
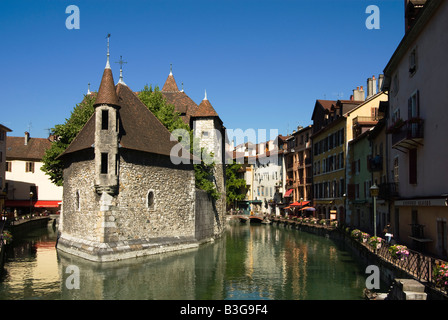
pixel 205 133
pixel 8 167
pixel 29 167
pixel 104 119
pixel 150 200
pixel 104 164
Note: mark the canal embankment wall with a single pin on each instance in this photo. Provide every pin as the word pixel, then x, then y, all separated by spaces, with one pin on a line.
pixel 389 271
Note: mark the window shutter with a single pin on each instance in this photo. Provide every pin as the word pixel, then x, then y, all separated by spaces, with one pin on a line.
pixel 413 166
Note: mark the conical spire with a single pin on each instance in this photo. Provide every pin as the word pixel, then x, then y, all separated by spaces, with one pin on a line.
pixel 106 92
pixel 205 109
pixel 170 84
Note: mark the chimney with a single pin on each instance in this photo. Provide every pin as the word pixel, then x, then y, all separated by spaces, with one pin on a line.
pixel 27 137
pixel 380 82
pixel 369 87
pixel 358 94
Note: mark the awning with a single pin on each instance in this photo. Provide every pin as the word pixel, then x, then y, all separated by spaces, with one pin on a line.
pixel 33 203
pixel 288 193
pixel 47 204
pixel 303 203
pixel 308 209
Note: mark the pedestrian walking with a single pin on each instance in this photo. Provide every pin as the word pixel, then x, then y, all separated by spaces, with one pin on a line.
pixel 386 232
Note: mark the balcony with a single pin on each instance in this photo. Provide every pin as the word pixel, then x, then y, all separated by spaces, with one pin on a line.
pixel 407 135
pixel 374 163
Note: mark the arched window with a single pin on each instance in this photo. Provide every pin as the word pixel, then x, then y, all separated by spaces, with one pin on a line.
pixel 150 200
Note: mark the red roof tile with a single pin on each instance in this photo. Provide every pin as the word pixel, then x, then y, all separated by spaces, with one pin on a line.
pixel 170 84
pixel 34 150
pixel 205 109
pixel 106 92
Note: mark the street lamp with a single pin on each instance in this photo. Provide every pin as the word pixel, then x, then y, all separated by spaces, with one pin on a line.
pixel 374 191
pixel 301 207
pixel 31 199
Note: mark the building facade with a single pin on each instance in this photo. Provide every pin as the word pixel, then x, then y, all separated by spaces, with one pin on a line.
pixel 299 165
pixel 27 186
pixel 3 190
pixel 417 131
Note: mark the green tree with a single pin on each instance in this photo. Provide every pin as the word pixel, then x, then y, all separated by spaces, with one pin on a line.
pixel 235 187
pixel 65 133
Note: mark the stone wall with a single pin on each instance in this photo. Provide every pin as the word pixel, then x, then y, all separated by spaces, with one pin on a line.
pixel 205 215
pixel 105 227
pixel 108 227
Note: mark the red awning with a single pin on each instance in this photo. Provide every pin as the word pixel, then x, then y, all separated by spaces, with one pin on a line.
pixel 303 203
pixel 288 193
pixel 47 204
pixel 36 204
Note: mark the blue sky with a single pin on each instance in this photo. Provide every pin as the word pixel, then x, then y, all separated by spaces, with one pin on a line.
pixel 262 62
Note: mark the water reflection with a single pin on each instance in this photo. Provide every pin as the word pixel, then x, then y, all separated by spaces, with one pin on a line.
pixel 250 262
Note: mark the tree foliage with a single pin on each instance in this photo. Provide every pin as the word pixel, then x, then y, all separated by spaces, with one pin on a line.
pixel 235 187
pixel 65 133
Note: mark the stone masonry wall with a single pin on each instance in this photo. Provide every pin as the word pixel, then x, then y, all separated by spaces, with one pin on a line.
pixel 112 227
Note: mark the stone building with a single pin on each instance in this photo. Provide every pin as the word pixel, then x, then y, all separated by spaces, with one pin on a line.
pixel 123 195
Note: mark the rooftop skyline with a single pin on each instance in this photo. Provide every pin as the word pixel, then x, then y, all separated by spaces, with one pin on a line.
pixel 263 63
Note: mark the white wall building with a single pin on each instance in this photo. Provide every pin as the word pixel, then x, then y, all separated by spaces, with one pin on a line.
pixel 26 184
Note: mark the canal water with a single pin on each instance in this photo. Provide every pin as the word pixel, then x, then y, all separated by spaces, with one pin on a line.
pixel 251 262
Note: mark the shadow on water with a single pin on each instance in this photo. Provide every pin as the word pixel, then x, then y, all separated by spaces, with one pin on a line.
pixel 249 262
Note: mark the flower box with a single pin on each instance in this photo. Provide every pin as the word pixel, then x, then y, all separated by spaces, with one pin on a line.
pixel 399 252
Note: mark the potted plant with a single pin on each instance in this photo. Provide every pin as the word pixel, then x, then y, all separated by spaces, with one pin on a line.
pixel 440 275
pixel 375 242
pixel 364 237
pixel 7 236
pixel 323 222
pixel 399 252
pixel 396 126
pixel 356 234
pixel 334 223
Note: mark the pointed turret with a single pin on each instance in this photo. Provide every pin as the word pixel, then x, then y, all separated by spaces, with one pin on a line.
pixel 170 84
pixel 106 133
pixel 106 92
pixel 205 109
